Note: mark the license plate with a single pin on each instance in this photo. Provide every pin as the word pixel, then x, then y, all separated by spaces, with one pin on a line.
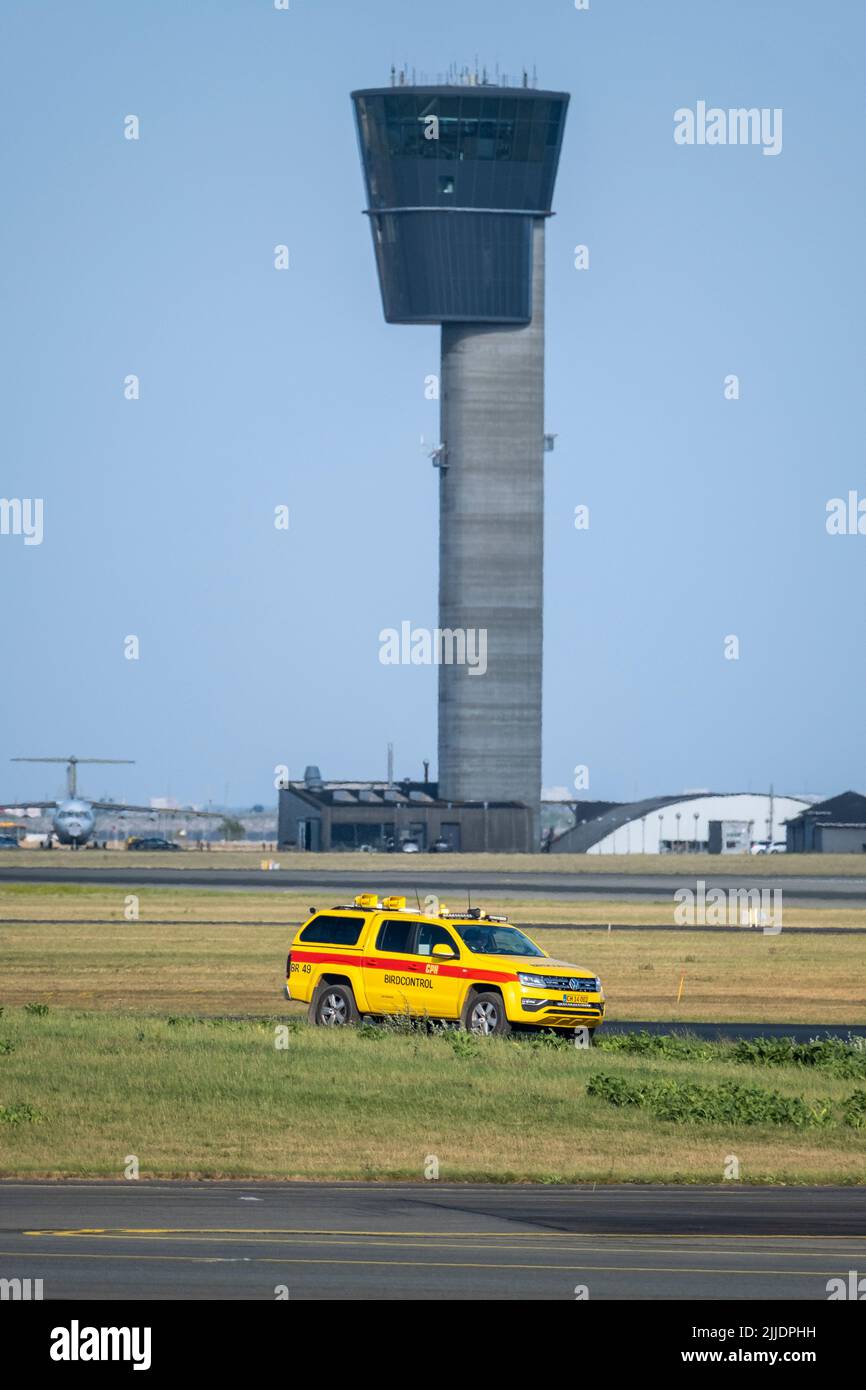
pixel 575 999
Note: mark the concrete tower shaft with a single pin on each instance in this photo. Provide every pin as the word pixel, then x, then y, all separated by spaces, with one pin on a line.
pixel 491 552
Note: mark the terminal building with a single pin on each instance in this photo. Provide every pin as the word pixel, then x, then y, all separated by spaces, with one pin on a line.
pixel 343 815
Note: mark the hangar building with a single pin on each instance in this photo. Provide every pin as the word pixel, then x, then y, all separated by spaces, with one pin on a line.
pixel 836 826
pixel 699 822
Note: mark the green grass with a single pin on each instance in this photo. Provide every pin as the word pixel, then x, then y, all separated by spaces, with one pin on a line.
pixel 842 1057
pixel 727 1102
pixel 186 965
pixel 83 1092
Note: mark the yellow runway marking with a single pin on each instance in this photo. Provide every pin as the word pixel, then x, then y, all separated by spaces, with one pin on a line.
pixel 421 1235
pixel 293 1187
pixel 444 1241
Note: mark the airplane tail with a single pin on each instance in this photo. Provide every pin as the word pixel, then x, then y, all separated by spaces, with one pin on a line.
pixel 71 766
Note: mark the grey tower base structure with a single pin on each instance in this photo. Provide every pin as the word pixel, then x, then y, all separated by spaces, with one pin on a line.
pixel 459 184
pixel 491 552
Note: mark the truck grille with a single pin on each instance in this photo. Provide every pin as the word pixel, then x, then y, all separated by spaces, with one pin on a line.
pixel 573 983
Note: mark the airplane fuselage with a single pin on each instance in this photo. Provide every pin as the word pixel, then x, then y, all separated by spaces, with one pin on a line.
pixel 73 821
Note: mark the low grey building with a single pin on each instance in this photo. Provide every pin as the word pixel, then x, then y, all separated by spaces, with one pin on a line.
pixel 323 816
pixel 729 837
pixel 836 826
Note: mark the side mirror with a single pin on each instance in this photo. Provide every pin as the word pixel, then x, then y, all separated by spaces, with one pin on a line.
pixel 444 951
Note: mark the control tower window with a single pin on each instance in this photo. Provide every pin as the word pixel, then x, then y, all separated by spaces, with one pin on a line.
pixel 487 140
pixel 449 137
pixel 504 138
pixel 520 145
pixel 467 128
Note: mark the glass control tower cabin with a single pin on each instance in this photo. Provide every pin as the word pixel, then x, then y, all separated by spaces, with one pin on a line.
pixel 459 184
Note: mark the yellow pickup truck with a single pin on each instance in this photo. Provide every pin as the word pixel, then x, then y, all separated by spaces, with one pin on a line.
pixel 377 958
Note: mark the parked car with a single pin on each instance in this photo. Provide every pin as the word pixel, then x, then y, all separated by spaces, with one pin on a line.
pixel 8 842
pixel 151 842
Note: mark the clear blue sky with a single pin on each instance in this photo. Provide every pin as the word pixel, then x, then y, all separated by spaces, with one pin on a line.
pixel 259 388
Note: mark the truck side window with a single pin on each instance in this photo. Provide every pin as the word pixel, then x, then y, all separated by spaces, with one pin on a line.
pixel 430 935
pixel 332 931
pixel 396 935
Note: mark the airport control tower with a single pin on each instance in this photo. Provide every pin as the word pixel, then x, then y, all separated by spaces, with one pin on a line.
pixel 459 184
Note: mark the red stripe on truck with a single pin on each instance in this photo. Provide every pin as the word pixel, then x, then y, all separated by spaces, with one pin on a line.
pixel 402 963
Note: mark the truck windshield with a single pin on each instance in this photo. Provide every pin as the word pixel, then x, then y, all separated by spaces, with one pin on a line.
pixel 488 940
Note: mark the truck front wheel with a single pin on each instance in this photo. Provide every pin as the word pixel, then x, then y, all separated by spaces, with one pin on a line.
pixel 334 1007
pixel 485 1016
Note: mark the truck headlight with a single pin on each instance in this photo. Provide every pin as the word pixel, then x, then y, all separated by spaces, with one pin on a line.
pixel 533 981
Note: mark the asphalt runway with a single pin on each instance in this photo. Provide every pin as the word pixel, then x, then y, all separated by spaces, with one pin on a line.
pixel 426 879
pixel 428 1241
pixel 736 1032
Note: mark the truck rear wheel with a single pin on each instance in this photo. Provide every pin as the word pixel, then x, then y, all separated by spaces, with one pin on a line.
pixel 334 1007
pixel 485 1016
